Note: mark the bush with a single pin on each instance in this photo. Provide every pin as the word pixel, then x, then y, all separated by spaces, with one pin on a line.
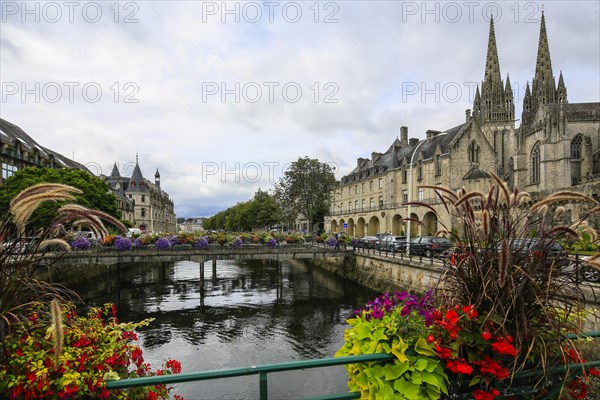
pixel 63 355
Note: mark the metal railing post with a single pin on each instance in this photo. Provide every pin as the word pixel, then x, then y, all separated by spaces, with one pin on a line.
pixel 264 390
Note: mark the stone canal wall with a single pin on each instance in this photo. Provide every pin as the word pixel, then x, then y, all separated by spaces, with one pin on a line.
pixel 382 273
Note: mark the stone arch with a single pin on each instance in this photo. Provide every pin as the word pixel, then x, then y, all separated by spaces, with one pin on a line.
pixel 414 225
pixel 360 227
pixel 351 227
pixel 341 225
pixel 430 223
pixel 398 227
pixel 334 226
pixel 373 225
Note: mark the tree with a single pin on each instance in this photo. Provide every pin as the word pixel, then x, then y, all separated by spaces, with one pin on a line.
pixel 95 194
pixel 306 189
pixel 260 212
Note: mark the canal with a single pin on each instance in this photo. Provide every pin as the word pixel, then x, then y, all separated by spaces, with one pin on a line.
pixel 242 313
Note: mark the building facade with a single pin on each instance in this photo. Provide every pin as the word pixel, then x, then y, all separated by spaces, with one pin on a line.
pixel 18 150
pixel 150 208
pixel 556 147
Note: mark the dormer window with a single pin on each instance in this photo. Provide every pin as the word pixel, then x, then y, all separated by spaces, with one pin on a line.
pixel 132 184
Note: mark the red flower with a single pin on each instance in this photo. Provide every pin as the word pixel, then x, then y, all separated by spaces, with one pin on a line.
pixel 174 365
pixel 503 346
pixel 481 395
pixel 486 335
pixel 451 316
pixel 443 352
pixel 459 366
pixel 470 311
pixel 430 339
pixel 492 367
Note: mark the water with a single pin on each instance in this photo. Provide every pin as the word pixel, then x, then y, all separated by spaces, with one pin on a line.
pixel 248 313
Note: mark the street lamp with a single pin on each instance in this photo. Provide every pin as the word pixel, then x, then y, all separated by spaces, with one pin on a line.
pixel 410 185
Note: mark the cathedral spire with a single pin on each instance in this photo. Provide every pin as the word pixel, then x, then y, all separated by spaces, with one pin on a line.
pixel 543 88
pixel 561 90
pixel 492 79
pixel 492 106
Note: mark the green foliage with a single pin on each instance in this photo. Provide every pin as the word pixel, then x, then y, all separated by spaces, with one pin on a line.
pixel 91 350
pixel 305 189
pixel 261 212
pixel 95 192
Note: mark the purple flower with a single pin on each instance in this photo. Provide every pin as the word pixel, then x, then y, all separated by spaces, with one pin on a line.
pixel 354 242
pixel 122 244
pixel 237 243
pixel 331 242
pixel 377 313
pixel 138 242
pixel 162 243
pixel 202 243
pixel 80 243
pixel 271 243
pixel 405 311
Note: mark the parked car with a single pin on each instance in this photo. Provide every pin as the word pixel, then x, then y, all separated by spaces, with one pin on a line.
pixel 527 250
pixel 590 274
pixel 429 246
pixel 89 235
pixel 393 243
pixel 21 245
pixel 368 242
pixel 382 235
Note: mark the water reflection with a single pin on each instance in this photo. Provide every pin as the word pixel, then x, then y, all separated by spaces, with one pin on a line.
pixel 238 314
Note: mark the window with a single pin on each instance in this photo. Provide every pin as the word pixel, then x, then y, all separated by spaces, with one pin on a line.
pixel 404 174
pixel 363 204
pixel 371 202
pixel 535 164
pixel 143 212
pixel 420 171
pixel 349 206
pixel 362 188
pixel 132 184
pixel 8 170
pixel 473 152
pixel 380 201
pixel 371 185
pixel 405 196
pixel 576 148
pixel 380 183
pixel 143 198
pixel 438 165
pixel 356 189
pixel 576 159
pixel 421 194
pixel 356 204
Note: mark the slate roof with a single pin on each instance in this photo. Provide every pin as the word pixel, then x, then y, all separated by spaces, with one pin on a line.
pixel 9 133
pixel 398 154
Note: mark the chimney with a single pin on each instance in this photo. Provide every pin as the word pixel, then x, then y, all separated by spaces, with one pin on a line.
pixel 413 141
pixel 467 115
pixel 431 133
pixel 404 135
pixel 375 155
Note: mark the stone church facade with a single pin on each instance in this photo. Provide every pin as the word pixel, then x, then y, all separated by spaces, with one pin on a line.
pixel 556 147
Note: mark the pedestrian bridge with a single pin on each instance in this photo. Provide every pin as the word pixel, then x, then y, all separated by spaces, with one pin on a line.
pixel 111 256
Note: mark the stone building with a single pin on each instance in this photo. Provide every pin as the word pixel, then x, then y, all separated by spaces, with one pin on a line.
pixel 556 147
pixel 18 150
pixel 151 209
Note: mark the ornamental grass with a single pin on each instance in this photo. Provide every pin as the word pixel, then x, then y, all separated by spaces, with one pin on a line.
pixel 506 304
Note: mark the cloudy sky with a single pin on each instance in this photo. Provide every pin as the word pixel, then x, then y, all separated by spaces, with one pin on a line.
pixel 220 96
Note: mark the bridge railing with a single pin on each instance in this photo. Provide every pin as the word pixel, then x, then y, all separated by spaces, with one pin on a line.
pixel 554 372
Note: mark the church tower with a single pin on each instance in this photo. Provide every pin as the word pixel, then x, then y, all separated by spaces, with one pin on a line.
pixel 493 107
pixel 543 88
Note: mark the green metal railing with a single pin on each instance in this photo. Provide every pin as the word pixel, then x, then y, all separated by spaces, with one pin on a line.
pixel 263 370
pixel 260 370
